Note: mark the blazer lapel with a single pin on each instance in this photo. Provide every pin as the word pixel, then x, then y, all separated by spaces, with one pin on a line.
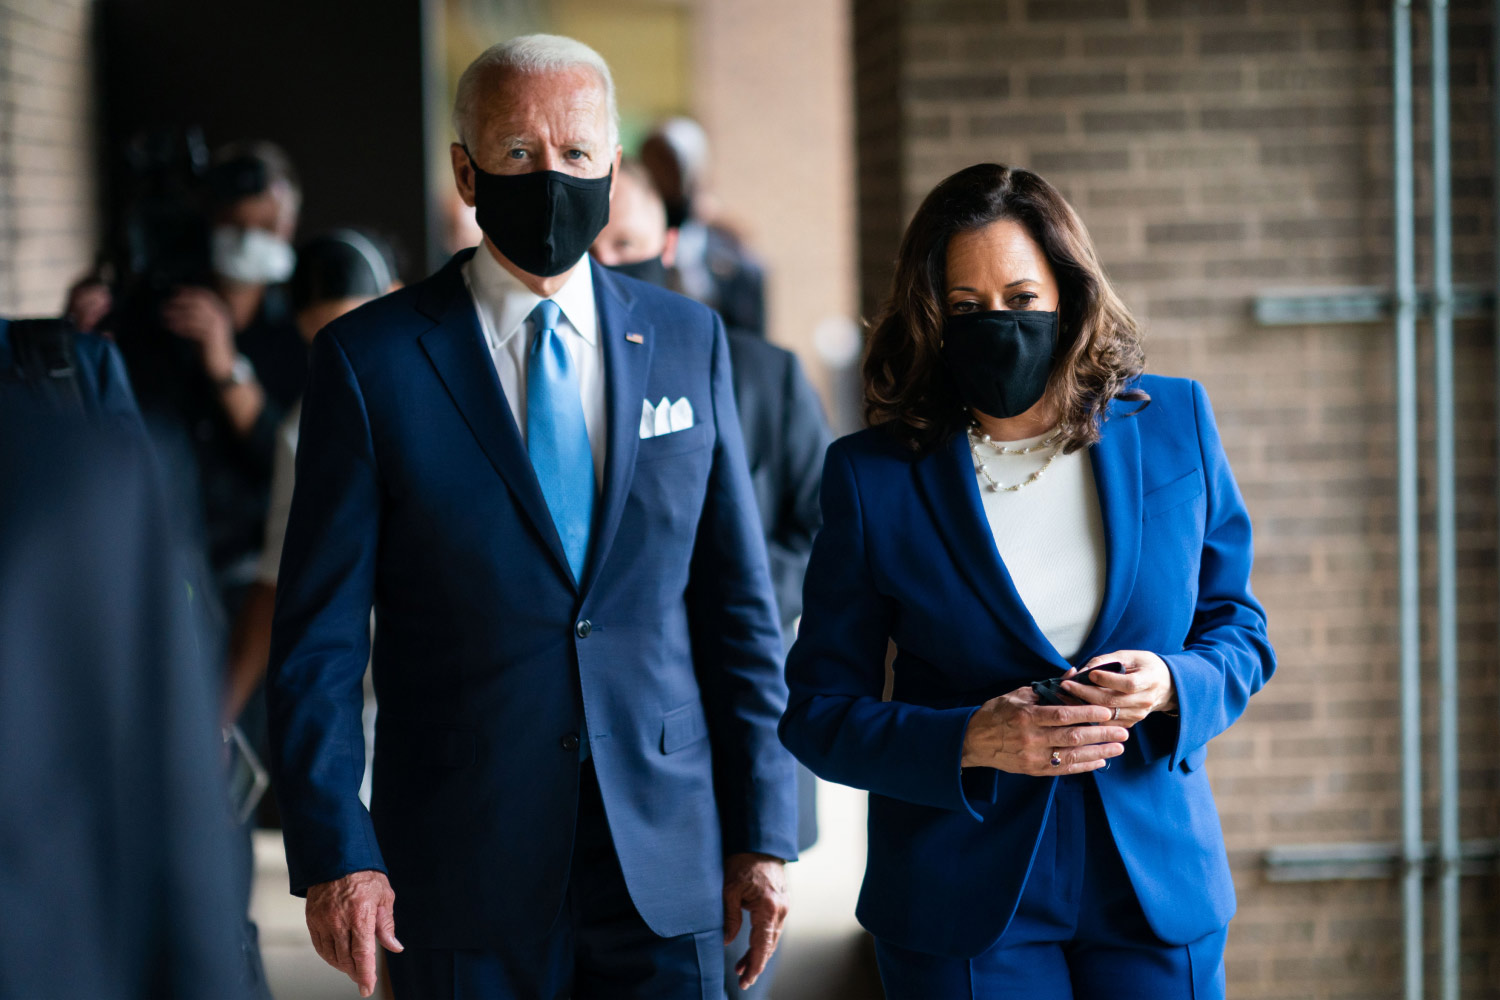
pixel 1117 476
pixel 626 364
pixel 457 349
pixel 948 480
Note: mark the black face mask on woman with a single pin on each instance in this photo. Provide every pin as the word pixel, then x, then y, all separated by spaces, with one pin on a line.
pixel 543 221
pixel 1000 361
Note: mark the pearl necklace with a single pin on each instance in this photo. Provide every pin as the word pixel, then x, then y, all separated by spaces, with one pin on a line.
pixel 976 438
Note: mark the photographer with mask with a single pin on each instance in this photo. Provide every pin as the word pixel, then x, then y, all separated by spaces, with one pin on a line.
pixel 216 359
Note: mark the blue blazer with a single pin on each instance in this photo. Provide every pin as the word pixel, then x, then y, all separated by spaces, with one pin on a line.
pixel 906 553
pixel 415 496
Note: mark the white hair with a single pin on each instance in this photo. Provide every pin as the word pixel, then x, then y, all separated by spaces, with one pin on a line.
pixel 531 54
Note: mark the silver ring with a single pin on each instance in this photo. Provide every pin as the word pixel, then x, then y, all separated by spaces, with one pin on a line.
pixel 1056 760
pixel 1115 714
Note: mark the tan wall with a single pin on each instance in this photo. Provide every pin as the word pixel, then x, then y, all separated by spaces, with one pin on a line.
pixel 48 223
pixel 1217 150
pixel 772 87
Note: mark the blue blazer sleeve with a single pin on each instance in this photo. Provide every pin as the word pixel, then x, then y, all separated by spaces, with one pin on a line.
pixel 1227 656
pixel 320 639
pixel 836 722
pixel 737 644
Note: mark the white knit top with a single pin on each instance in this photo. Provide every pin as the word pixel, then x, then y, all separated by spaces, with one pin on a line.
pixel 1050 536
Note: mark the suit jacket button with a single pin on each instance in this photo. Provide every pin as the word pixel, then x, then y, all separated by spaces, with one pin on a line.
pixel 570 742
pixel 584 628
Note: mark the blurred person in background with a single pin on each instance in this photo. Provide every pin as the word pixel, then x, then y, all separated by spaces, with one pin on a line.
pixel 712 263
pixel 217 361
pixel 116 854
pixel 785 438
pixel 87 303
pixel 1027 505
pixel 337 272
pixel 577 658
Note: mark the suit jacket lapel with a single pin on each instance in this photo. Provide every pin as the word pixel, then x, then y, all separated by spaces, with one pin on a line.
pixel 1117 476
pixel 948 480
pixel 457 349
pixel 626 364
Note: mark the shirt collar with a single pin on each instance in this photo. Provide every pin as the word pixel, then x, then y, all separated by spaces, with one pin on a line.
pixel 510 302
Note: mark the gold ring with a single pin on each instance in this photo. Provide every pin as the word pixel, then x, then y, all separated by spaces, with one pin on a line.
pixel 1056 760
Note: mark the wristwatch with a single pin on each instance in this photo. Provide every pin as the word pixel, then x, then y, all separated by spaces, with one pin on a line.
pixel 243 373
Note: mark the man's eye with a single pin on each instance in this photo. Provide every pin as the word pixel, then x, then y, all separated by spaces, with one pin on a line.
pixel 576 154
pixel 517 154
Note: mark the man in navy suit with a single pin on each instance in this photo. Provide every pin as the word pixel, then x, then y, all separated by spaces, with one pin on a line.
pixel 532 470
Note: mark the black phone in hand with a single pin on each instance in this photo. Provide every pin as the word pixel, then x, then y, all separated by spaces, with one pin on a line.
pixel 1050 691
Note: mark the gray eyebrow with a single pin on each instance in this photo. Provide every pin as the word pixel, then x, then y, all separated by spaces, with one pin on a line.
pixel 517 140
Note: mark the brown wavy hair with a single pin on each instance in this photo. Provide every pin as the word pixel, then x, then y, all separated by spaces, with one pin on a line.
pixel 1099 344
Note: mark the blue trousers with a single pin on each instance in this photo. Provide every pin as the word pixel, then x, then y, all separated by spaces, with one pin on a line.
pixel 599 948
pixel 1078 932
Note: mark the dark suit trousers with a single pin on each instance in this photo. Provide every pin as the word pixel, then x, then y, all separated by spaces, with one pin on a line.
pixel 1078 932
pixel 599 948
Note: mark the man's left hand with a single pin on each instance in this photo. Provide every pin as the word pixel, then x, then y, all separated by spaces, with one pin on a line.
pixel 1142 687
pixel 754 882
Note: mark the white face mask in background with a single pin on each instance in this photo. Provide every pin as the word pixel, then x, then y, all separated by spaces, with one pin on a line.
pixel 252 256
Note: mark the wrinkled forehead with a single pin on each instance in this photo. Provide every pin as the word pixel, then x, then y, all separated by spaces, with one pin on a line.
pixel 557 106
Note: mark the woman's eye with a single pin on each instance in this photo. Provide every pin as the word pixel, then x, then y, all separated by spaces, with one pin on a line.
pixel 964 307
pixel 1023 301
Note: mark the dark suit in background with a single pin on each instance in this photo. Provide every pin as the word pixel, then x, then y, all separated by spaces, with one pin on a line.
pixel 715 267
pixel 116 870
pixel 786 436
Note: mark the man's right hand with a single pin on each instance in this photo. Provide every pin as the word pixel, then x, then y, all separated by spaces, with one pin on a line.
pixel 349 918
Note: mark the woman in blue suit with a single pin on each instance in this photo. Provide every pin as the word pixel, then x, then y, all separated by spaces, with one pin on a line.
pixel 1025 506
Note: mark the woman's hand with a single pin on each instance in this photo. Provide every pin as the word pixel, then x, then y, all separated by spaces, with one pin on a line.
pixel 1016 733
pixel 1144 687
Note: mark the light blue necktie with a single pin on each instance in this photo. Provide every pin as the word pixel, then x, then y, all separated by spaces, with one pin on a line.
pixel 557 438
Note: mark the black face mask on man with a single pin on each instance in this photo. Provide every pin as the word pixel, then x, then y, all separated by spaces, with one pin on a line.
pixel 543 221
pixel 650 270
pixel 1000 361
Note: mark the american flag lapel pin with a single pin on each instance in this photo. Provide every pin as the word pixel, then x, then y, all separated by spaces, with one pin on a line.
pixel 635 338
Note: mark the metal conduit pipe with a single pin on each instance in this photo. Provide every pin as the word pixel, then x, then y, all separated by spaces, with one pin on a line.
pixel 1447 536
pixel 1406 488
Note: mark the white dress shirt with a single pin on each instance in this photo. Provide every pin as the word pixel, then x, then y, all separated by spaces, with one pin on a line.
pixel 1050 535
pixel 504 307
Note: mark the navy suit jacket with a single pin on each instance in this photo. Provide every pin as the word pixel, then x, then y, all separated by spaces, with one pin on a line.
pixel 415 496
pixel 906 553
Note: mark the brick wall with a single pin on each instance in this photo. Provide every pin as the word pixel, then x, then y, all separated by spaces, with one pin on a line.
pixel 47 195
pixel 1217 150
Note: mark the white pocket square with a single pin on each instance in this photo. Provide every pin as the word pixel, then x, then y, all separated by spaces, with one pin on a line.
pixel 665 417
